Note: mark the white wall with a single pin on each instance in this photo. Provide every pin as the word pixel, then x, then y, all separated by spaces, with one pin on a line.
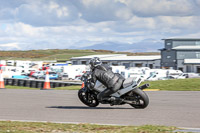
pixel 24 64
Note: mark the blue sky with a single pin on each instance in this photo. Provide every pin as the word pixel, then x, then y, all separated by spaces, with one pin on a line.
pixel 43 24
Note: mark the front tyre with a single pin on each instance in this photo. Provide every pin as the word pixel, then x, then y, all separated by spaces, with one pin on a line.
pixel 88 99
pixel 141 99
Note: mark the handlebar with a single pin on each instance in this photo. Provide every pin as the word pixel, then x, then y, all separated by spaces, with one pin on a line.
pixel 87 75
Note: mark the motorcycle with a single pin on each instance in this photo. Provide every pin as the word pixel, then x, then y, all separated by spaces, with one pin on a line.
pixel 130 93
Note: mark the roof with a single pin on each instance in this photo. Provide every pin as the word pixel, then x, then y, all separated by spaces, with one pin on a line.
pixel 162 49
pixel 133 58
pixel 191 61
pixel 100 56
pixel 181 39
pixel 187 48
pixel 120 57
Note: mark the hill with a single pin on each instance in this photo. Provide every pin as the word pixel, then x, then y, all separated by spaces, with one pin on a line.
pixel 59 54
pixel 144 45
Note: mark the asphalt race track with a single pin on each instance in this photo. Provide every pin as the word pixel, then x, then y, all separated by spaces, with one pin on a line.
pixel 170 108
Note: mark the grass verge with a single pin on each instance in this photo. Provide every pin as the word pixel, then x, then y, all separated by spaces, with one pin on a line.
pixel 190 84
pixel 41 127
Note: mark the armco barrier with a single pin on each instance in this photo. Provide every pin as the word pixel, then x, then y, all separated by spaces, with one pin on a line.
pixel 37 83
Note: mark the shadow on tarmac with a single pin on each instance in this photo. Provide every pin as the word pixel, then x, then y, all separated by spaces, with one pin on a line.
pixel 85 107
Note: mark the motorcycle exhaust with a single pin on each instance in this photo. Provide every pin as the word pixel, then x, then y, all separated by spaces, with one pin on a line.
pixel 144 86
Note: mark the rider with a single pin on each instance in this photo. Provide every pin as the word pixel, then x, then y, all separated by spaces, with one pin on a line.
pixel 104 74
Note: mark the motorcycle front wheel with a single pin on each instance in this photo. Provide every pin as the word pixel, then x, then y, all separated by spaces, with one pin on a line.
pixel 141 99
pixel 88 99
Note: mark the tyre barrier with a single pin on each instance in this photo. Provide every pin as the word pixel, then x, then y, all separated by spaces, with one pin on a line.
pixel 37 83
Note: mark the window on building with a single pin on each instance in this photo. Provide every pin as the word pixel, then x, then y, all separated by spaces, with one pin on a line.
pixel 169 43
pixel 180 68
pixel 184 43
pixel 138 64
pixel 168 57
pixel 188 55
pixel 105 62
pixel 188 68
pixel 151 66
pixel 198 69
pixel 198 55
pixel 115 64
pixel 198 43
pixel 75 62
pixel 127 65
pixel 180 55
pixel 83 62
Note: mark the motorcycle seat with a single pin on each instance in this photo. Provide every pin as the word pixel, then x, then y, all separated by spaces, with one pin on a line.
pixel 128 82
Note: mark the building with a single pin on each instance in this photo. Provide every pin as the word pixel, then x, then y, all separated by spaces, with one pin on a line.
pixel 181 54
pixel 121 60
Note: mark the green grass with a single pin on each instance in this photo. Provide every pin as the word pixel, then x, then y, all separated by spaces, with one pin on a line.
pixel 39 127
pixel 192 84
pixel 18 87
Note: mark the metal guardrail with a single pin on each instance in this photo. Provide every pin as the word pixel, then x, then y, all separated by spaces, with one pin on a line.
pixel 37 83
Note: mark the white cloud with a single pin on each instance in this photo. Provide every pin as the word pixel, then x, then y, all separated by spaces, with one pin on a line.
pixel 47 13
pixel 150 8
pixel 10 46
pixel 104 10
pixel 23 30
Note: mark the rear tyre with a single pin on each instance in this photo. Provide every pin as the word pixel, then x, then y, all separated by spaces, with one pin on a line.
pixel 88 99
pixel 141 99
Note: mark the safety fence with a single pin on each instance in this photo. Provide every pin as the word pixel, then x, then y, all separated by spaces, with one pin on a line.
pixel 37 83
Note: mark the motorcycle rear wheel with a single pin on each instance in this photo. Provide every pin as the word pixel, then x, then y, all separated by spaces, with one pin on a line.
pixel 88 99
pixel 141 99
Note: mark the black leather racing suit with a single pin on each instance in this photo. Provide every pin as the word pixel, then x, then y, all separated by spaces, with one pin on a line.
pixel 112 81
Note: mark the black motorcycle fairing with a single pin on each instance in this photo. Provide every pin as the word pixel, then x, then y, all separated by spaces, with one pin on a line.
pixel 128 82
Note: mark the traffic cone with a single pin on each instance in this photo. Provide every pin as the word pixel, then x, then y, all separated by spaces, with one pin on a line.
pixel 47 82
pixel 2 86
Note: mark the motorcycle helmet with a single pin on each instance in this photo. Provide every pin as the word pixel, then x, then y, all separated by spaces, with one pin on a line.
pixel 94 62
